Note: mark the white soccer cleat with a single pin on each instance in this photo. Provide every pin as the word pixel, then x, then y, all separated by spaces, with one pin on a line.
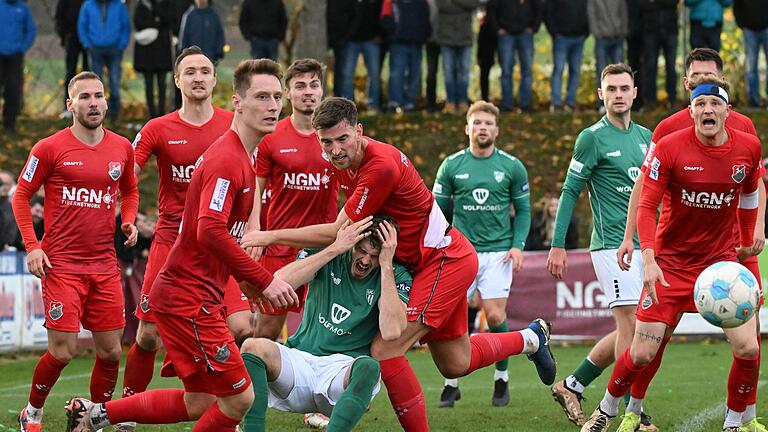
pixel 316 420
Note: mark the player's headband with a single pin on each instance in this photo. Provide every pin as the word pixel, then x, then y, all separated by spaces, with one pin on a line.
pixel 710 90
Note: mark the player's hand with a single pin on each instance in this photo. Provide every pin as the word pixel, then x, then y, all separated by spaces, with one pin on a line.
pixel 388 236
pixel 280 294
pixel 516 255
pixel 256 239
pixel 758 242
pixel 624 254
pixel 254 252
pixel 651 274
pixel 557 262
pixel 131 232
pixel 37 260
pixel 350 233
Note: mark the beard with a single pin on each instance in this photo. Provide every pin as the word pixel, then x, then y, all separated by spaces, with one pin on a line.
pixel 82 118
pixel 484 144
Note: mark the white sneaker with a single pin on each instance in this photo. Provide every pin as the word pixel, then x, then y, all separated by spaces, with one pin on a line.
pixel 316 420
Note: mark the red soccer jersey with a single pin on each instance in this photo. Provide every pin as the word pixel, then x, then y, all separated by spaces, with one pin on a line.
pixel 386 182
pixel 177 145
pixel 303 187
pixel 206 252
pixel 81 183
pixel 701 187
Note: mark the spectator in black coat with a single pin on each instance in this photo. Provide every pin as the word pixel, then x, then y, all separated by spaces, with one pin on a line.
pixel 659 23
pixel 65 19
pixel 543 227
pixel 153 55
pixel 263 24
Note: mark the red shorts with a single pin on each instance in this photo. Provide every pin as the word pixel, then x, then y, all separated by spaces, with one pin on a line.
pixel 674 300
pixel 203 353
pixel 95 300
pixel 234 299
pixel 273 264
pixel 438 297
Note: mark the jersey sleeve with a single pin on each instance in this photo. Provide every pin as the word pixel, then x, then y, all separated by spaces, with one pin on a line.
pixel 519 195
pixel 376 183
pixel 584 160
pixel 264 159
pixel 39 166
pixel 144 144
pixel 654 185
pixel 129 192
pixel 443 187
pixel 403 282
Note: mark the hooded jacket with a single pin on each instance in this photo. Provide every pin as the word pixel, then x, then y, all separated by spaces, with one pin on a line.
pixel 104 24
pixel 17 28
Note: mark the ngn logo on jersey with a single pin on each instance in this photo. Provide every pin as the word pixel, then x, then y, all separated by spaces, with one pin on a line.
pixel 182 173
pixel 707 200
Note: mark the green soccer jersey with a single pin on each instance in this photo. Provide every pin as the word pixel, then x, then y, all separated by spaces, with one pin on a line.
pixel 341 314
pixel 483 190
pixel 607 160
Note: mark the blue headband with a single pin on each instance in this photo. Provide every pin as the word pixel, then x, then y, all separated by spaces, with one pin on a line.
pixel 709 90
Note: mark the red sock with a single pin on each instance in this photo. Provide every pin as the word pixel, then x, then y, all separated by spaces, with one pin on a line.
pixel 139 367
pixel 215 421
pixel 405 394
pixel 162 406
pixel 643 380
pixel 104 379
pixel 46 374
pixel 741 382
pixel 752 399
pixel 624 373
pixel 488 348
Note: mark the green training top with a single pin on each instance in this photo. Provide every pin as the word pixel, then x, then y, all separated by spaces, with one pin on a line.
pixel 607 159
pixel 482 190
pixel 341 314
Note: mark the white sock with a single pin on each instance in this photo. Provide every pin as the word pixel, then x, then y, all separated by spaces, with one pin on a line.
pixel 732 418
pixel 501 375
pixel 610 404
pixel 452 383
pixel 571 383
pixel 531 341
pixel 34 415
pixel 635 405
pixel 749 414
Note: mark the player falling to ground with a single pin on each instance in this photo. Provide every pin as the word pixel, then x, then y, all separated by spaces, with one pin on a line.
pixel 356 291
pixel 606 159
pixel 707 176
pixel 84 169
pixel 378 178
pixel 484 182
pixel 700 63
pixel 177 140
pixel 188 293
pixel 303 189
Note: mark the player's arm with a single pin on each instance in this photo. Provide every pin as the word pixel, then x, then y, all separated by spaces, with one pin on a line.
pixel 32 177
pixel 129 201
pixel 310 236
pixel 520 198
pixel 624 254
pixel 650 197
pixel 392 313
pixel 143 147
pixel 443 190
pixel 747 213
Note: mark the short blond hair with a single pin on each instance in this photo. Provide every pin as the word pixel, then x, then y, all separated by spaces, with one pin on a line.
pixel 483 106
pixel 84 75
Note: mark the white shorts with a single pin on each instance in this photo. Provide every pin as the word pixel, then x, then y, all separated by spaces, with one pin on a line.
pixel 494 276
pixel 308 383
pixel 621 288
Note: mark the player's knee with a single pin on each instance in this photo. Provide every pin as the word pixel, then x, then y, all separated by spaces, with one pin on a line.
pixel 495 318
pixel 260 347
pixel 241 403
pixel 62 355
pixel 365 374
pixel 148 338
pixel 111 354
pixel 747 349
pixel 642 357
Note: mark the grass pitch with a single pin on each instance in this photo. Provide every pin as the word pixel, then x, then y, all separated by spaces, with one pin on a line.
pixel 687 395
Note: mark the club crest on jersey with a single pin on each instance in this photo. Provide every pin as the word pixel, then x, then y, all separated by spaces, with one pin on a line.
pixel 633 173
pixel 369 293
pixel 144 305
pixel 498 176
pixel 56 310
pixel 115 169
pixel 222 353
pixel 339 313
pixel 739 172
pixel 647 302
pixel 480 195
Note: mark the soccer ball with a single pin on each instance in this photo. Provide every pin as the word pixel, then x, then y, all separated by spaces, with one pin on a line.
pixel 726 294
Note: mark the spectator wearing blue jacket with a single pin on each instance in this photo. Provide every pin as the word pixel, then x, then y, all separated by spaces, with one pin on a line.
pixel 202 26
pixel 17 32
pixel 706 22
pixel 104 30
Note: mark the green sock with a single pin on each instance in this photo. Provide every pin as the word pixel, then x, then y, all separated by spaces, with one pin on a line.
pixel 587 372
pixel 356 397
pixel 501 365
pixel 256 416
pixel 626 399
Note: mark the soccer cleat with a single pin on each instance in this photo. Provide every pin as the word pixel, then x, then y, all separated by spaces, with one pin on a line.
pixel 646 425
pixel 78 419
pixel 448 397
pixel 500 393
pixel 125 427
pixel 630 422
pixel 597 422
pixel 731 429
pixel 570 401
pixel 27 426
pixel 753 426
pixel 316 420
pixel 543 358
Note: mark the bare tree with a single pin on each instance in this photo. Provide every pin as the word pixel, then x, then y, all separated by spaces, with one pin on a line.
pixel 311 39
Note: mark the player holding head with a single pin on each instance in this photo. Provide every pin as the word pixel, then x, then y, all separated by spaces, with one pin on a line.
pixel 607 158
pixel 692 233
pixel 291 166
pixel 187 295
pixel 378 178
pixel 83 168
pixel 483 182
pixel 177 140
pixel 354 284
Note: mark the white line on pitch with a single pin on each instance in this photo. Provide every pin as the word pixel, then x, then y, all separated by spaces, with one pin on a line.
pixel 707 415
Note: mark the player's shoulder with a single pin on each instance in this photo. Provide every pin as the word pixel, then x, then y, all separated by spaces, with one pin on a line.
pixel 53 141
pixel 675 140
pixel 744 138
pixel 223 114
pixel 677 121
pixel 457 156
pixel 116 138
pixel 596 128
pixel 740 122
pixel 642 130
pixel 506 156
pixel 383 153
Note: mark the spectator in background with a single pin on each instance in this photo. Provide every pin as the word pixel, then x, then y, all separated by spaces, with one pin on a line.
pixel 751 16
pixel 180 7
pixel 567 22
pixel 202 26
pixel 454 35
pixel 338 16
pixel 659 24
pixel 432 49
pixel 104 30
pixel 407 24
pixel 263 24
pixel 486 52
pixel 364 39
pixel 515 22
pixel 706 18
pixel 132 262
pixel 17 33
pixel 609 24
pixel 38 216
pixel 152 54
pixel 65 19
pixel 9 232
pixel 543 226
pixel 635 47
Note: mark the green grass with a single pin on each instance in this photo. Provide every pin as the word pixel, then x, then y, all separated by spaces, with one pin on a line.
pixel 687 395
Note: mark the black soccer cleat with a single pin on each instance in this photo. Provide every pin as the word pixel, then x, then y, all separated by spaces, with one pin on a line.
pixel 448 397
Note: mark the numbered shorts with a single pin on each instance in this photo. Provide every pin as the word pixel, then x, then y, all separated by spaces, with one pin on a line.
pixel 202 352
pixel 674 300
pixel 494 276
pixel 621 288
pixel 308 383
pixel 273 264
pixel 95 300
pixel 234 299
